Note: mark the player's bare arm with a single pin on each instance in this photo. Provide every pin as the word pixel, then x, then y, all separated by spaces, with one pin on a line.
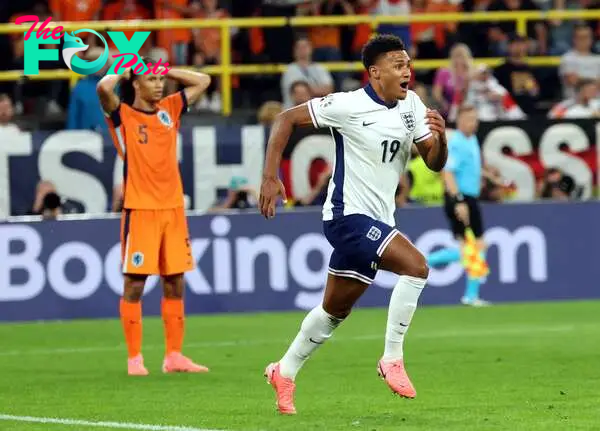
pixel 195 83
pixel 106 91
pixel 434 150
pixel 272 187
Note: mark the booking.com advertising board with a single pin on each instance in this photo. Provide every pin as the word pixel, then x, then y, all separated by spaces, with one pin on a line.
pixel 71 269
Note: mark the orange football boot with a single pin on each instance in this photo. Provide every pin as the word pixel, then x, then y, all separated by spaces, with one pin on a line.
pixel 177 363
pixel 396 378
pixel 284 389
pixel 135 366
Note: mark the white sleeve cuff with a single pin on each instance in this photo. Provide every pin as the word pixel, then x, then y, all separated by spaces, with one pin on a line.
pixel 423 138
pixel 313 117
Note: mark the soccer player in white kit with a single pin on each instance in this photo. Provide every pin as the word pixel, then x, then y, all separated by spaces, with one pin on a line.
pixel 373 129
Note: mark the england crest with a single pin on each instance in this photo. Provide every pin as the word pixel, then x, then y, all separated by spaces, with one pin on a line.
pixel 164 118
pixel 408 118
pixel 374 233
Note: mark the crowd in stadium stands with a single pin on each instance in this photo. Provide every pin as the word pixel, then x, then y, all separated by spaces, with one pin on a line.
pixel 511 91
pixel 514 90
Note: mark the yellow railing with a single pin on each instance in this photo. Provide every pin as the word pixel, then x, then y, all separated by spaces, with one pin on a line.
pixel 226 69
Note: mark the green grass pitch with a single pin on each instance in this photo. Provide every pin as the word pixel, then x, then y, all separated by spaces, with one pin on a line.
pixel 508 367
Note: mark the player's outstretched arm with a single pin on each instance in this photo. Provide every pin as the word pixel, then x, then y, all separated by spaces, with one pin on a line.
pixel 434 150
pixel 195 83
pixel 272 187
pixel 106 91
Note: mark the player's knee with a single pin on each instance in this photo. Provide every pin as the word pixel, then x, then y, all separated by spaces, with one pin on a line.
pixel 133 293
pixel 173 286
pixel 134 288
pixel 419 268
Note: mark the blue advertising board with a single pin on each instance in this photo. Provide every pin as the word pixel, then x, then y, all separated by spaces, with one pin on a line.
pixel 71 269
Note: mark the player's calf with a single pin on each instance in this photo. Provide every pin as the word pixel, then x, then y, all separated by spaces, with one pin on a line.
pixel 401 257
pixel 341 293
pixel 317 327
pixel 173 315
pixel 130 310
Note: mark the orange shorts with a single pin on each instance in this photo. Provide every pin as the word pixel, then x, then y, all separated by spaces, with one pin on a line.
pixel 155 242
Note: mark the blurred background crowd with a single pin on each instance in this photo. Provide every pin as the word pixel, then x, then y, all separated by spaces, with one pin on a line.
pixel 513 90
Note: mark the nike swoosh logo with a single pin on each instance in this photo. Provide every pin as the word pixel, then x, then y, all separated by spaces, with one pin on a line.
pixel 402 324
pixel 367 124
pixel 313 341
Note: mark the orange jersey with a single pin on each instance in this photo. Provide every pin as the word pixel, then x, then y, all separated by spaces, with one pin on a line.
pixel 119 11
pixel 147 143
pixel 75 10
pixel 208 40
pixel 177 35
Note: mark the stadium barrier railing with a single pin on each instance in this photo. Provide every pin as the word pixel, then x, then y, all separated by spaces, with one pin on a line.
pixel 226 69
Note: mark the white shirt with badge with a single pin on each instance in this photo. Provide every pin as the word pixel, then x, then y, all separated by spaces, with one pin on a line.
pixel 372 149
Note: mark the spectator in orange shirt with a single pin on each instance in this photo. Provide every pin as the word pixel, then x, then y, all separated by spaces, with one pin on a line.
pixel 207 47
pixel 431 39
pixel 75 10
pixel 207 41
pixel 326 39
pixel 125 10
pixel 175 41
pixel 363 32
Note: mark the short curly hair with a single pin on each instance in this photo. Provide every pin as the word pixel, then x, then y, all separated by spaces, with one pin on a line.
pixel 379 45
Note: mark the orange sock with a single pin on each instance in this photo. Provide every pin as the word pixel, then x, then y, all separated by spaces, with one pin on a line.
pixel 131 318
pixel 174 322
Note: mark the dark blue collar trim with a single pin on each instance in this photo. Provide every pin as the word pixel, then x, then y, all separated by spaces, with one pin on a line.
pixel 373 95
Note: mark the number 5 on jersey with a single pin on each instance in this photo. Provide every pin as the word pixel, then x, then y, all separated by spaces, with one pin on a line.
pixel 143 134
pixel 391 149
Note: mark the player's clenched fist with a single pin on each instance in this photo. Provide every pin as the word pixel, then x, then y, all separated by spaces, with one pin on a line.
pixel 270 189
pixel 435 121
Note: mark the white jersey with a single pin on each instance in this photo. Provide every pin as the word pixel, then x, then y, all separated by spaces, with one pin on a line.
pixel 373 144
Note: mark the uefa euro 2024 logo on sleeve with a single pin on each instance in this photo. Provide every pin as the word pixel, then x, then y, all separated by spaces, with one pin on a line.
pixel 128 50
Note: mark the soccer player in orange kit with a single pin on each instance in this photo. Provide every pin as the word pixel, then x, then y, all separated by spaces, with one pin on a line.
pixel 154 232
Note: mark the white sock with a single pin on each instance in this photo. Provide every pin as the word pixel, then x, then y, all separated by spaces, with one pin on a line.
pixel 403 304
pixel 316 328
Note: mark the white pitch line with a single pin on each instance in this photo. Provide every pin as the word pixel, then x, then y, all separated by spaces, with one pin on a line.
pixel 458 333
pixel 112 425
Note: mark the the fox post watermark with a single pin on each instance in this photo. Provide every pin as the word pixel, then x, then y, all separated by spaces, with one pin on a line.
pixel 128 50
